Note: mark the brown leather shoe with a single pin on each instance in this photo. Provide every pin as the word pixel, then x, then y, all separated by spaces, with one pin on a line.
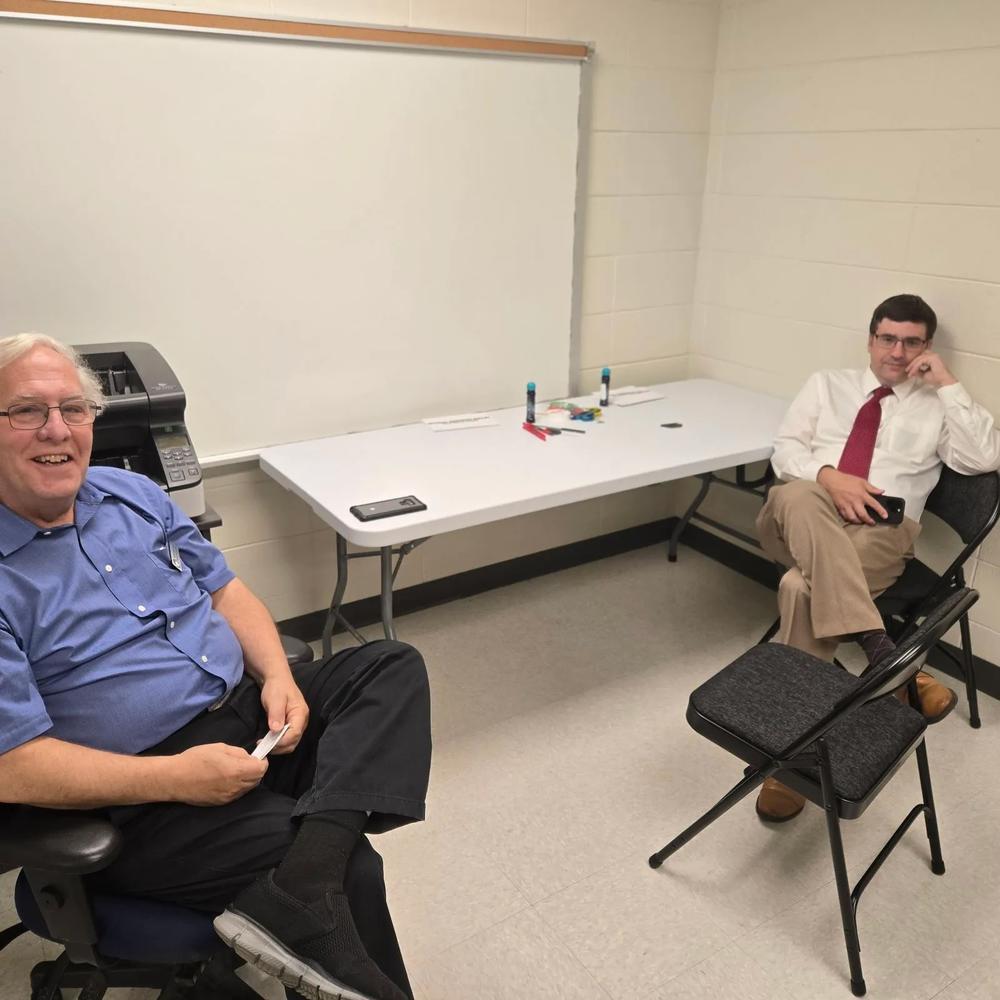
pixel 777 803
pixel 936 700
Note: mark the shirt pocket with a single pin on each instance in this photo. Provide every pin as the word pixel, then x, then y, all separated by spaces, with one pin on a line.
pixel 912 442
pixel 180 580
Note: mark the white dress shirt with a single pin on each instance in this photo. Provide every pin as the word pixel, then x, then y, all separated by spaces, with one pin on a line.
pixel 920 428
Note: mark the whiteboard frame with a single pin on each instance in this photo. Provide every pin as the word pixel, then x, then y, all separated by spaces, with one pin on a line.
pixel 329 32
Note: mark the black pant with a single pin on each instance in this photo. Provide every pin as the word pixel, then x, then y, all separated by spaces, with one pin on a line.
pixel 367 747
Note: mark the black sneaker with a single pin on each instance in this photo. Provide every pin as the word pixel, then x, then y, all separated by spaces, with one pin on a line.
pixel 314 949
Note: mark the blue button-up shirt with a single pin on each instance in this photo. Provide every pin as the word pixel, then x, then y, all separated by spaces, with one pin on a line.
pixel 108 637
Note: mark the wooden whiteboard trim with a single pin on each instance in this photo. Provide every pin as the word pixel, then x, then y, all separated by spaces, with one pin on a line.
pixel 319 31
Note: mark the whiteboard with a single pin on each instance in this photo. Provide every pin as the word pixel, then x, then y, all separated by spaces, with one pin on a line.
pixel 317 238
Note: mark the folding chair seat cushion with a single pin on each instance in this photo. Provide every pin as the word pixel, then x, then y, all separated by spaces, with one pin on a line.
pixel 914 584
pixel 764 702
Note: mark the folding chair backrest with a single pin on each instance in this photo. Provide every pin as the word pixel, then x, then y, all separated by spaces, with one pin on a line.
pixel 967 504
pixel 899 666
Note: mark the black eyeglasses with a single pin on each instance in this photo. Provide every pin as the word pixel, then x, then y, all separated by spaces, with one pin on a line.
pixel 889 342
pixel 31 416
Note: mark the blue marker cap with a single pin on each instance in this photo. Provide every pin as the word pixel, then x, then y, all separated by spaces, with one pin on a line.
pixel 531 387
pixel 605 371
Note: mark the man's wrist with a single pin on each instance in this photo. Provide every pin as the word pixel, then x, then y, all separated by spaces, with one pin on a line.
pixel 276 671
pixel 162 779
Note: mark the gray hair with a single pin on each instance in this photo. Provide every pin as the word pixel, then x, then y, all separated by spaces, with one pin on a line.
pixel 12 348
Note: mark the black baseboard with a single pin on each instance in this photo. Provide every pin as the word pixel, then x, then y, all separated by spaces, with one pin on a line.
pixel 309 627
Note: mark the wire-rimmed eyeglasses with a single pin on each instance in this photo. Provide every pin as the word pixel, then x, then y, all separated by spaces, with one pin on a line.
pixel 31 416
pixel 889 342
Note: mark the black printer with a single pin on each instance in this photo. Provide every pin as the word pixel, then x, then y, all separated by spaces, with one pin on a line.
pixel 142 427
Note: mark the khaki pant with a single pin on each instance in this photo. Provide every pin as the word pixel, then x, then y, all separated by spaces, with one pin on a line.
pixel 836 569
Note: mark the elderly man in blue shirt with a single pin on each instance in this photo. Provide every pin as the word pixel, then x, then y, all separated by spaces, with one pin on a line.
pixel 137 674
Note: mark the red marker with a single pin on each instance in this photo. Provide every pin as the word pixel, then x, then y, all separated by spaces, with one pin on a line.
pixel 532 429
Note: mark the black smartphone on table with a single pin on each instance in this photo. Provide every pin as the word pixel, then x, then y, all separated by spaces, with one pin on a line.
pixel 387 508
pixel 894 508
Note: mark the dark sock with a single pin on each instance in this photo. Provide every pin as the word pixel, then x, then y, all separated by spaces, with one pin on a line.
pixel 876 644
pixel 317 860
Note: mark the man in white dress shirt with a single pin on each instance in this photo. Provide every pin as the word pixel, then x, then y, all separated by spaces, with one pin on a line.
pixel 848 438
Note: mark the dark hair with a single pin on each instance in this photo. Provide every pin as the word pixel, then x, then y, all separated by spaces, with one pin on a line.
pixel 905 309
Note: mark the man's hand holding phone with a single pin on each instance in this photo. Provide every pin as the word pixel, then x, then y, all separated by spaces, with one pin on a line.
pixel 857 500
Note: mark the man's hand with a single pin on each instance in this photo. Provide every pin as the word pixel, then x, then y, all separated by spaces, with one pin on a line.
pixel 214 774
pixel 851 495
pixel 283 702
pixel 929 367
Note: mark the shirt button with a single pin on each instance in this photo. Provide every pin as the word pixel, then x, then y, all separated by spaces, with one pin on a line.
pixel 204 659
pixel 107 569
pixel 172 624
pixel 142 607
pixel 46 532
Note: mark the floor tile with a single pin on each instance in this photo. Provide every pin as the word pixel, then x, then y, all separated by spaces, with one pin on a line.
pixel 981 982
pixel 717 977
pixel 630 929
pixel 518 958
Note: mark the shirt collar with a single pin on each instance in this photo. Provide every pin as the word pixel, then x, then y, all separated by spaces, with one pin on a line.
pixel 869 383
pixel 87 501
pixel 16 532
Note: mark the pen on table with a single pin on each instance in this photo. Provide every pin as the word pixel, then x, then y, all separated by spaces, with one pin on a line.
pixel 532 429
pixel 562 430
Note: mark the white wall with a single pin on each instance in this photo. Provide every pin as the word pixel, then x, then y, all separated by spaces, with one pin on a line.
pixel 647 134
pixel 855 153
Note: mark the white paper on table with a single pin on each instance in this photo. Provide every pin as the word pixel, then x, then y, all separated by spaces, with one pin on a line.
pixel 629 395
pixel 460 421
pixel 636 396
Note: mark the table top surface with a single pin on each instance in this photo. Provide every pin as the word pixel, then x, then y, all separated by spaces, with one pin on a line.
pixel 484 474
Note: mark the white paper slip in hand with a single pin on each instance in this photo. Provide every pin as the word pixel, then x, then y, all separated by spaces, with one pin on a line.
pixel 460 421
pixel 269 742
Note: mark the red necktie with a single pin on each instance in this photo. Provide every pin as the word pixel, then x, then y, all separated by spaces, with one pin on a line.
pixel 860 445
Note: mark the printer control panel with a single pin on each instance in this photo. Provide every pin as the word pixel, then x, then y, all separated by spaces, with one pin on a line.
pixel 180 463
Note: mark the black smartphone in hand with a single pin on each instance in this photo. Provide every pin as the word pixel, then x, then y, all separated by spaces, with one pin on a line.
pixel 894 507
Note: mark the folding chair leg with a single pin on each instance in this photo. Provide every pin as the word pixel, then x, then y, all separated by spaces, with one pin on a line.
pixel 969 670
pixel 770 633
pixel 847 915
pixel 737 792
pixel 930 815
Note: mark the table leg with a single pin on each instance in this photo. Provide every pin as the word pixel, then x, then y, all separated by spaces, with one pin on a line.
pixel 388 578
pixel 338 596
pixel 706 482
pixel 758 487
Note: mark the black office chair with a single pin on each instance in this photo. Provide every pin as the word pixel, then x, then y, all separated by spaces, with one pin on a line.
pixel 110 940
pixel 970 506
pixel 835 738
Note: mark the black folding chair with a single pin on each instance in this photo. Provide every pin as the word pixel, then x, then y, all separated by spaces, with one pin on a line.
pixel 970 506
pixel 835 738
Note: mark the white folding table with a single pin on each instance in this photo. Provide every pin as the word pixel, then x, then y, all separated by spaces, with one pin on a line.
pixel 476 476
